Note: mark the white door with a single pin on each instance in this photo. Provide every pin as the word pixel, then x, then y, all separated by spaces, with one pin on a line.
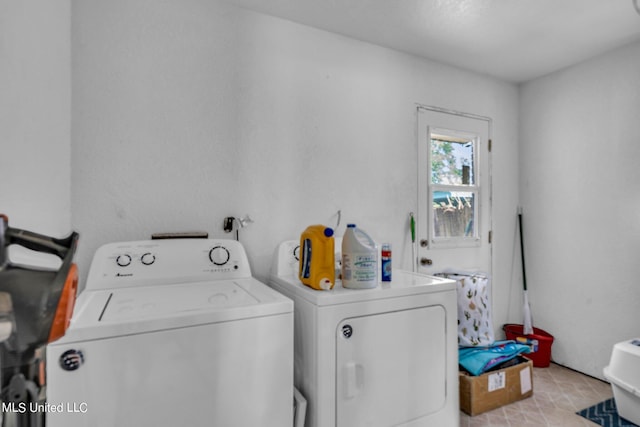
pixel 454 191
pixel 390 367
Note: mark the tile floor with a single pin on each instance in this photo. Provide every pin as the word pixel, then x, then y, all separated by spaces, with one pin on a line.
pixel 558 393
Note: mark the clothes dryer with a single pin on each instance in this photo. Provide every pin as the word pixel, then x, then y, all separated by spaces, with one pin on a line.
pixel 173 333
pixel 385 356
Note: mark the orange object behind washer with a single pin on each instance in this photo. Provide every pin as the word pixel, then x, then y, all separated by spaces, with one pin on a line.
pixel 64 311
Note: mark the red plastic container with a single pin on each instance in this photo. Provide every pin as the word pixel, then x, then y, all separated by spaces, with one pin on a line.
pixel 540 358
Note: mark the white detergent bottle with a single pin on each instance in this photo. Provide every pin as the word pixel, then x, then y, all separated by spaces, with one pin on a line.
pixel 359 259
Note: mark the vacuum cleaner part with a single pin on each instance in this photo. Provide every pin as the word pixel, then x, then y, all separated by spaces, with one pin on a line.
pixel 36 305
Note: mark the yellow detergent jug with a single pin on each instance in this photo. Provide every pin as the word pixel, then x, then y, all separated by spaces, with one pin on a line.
pixel 317 257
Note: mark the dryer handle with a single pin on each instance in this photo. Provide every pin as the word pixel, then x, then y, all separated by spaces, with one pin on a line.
pixel 353 379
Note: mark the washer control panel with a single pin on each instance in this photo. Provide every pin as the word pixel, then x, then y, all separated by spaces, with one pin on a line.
pixel 170 261
pixel 287 259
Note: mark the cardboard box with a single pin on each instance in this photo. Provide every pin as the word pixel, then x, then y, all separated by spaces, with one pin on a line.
pixel 491 390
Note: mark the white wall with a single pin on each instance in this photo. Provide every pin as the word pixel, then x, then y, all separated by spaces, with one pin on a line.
pixel 185 112
pixel 189 111
pixel 579 153
pixel 35 115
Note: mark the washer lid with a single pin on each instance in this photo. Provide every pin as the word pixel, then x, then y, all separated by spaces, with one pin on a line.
pixel 138 303
pixel 115 312
pixel 403 283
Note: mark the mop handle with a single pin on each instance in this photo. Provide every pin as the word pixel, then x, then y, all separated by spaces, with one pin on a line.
pixel 524 275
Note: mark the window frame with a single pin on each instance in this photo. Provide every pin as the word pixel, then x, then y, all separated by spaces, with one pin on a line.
pixel 473 188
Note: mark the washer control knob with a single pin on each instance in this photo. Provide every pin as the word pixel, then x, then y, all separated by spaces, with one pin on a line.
pixel 148 258
pixel 219 255
pixel 123 260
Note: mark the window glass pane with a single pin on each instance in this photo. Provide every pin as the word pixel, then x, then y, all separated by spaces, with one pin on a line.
pixel 451 160
pixel 453 214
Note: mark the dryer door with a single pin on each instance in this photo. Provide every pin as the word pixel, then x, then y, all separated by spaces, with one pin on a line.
pixel 390 367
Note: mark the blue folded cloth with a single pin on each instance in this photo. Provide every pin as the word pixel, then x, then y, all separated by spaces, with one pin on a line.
pixel 478 360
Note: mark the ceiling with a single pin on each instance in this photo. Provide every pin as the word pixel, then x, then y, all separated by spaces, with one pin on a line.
pixel 514 40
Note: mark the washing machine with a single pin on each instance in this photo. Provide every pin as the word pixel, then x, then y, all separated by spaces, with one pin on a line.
pixel 385 356
pixel 173 333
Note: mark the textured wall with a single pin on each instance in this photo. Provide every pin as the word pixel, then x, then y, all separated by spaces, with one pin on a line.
pixel 35 114
pixel 189 111
pixel 579 182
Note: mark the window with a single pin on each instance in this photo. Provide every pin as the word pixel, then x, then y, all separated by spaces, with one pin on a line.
pixel 453 187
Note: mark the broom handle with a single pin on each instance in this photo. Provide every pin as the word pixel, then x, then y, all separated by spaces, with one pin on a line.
pixel 524 274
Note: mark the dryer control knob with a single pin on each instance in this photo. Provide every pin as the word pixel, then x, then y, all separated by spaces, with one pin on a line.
pixel 219 255
pixel 148 258
pixel 123 260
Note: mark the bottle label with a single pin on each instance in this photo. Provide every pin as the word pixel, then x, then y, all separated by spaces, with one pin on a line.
pixel 385 258
pixel 359 267
pixel 386 269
